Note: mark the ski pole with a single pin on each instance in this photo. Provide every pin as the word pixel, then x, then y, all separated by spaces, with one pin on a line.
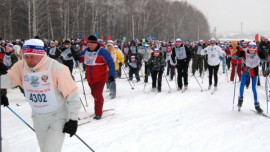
pixel 20 118
pixel 167 82
pixel 143 75
pixel 234 85
pixel 34 130
pixel 176 76
pixel 124 69
pixel 83 88
pixel 0 118
pixel 82 105
pixel 266 92
pixel 197 81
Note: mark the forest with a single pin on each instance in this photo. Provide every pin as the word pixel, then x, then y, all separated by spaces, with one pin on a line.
pixel 61 19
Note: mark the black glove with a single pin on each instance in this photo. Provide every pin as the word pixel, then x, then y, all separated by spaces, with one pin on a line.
pixel 3 69
pixel 70 127
pixel 69 55
pixel 111 79
pixel 4 100
pixel 120 64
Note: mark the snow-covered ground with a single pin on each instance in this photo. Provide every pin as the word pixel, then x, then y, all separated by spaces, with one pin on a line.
pixel 193 121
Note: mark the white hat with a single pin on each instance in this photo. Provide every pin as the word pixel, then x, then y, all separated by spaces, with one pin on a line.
pixel 34 46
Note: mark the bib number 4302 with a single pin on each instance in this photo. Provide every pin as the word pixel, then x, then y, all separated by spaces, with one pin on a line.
pixel 38 97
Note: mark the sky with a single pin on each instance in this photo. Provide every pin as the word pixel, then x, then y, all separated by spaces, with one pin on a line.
pixel 227 15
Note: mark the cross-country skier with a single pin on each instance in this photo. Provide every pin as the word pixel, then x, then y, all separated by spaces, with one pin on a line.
pixel 181 55
pixel 97 60
pixel 250 69
pixel 213 53
pixel 50 91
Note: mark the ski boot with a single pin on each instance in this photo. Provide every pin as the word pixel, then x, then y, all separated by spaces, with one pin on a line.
pixel 258 108
pixel 209 87
pixel 97 117
pixel 240 102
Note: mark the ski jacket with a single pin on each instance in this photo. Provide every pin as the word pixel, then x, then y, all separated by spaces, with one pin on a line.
pixel 98 72
pixel 183 57
pixel 65 89
pixel 248 66
pixel 213 53
pixel 117 58
pixel 156 63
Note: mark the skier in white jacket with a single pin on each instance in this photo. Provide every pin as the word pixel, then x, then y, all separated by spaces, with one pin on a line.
pixel 213 52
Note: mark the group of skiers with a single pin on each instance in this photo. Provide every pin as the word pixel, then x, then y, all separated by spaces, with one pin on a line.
pixel 53 94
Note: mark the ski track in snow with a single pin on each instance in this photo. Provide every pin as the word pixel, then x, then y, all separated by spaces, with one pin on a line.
pixel 192 121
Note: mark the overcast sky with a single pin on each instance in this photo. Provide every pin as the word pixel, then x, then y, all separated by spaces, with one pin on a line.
pixel 227 15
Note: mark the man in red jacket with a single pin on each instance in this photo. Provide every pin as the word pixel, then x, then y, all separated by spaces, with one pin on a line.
pixel 97 60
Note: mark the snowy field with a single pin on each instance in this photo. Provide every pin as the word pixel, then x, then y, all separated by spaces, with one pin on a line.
pixel 192 121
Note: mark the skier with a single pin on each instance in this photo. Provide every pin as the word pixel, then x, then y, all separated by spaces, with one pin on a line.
pixel 68 55
pixel 117 58
pixel 213 53
pixel 181 55
pixel 198 58
pixel 235 62
pixel 146 57
pixel 53 51
pixel 250 69
pixel 134 66
pixel 97 59
pixel 156 64
pixel 50 91
pixel 9 59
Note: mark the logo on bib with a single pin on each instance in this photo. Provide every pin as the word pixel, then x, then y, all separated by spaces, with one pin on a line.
pixel 26 79
pixel 44 78
pixel 34 81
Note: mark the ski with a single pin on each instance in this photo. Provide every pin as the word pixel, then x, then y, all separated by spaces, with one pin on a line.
pixel 262 114
pixel 82 118
pixel 185 89
pixel 80 123
pixel 212 92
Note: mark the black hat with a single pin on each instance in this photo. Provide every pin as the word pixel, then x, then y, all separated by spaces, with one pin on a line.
pixel 66 42
pixel 92 39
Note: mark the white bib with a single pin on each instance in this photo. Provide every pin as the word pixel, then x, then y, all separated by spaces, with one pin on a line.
pixel 181 53
pixel 252 60
pixel 91 57
pixel 39 90
pixel 7 60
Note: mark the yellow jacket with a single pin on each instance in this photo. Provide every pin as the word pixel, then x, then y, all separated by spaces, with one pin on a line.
pixel 117 58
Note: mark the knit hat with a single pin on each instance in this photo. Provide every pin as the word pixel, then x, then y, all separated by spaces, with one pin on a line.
pixel 34 47
pixel 252 46
pixel 92 39
pixel 178 40
pixel 132 58
pixel 10 46
pixel 156 50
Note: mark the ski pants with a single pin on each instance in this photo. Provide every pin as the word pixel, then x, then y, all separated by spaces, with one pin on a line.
pixel 157 75
pixel 146 72
pixel 233 71
pixel 134 71
pixel 211 70
pixel 197 62
pixel 254 83
pixel 182 73
pixel 49 129
pixel 96 91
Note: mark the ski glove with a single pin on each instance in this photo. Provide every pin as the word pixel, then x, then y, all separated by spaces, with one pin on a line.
pixel 111 79
pixel 69 55
pixel 4 100
pixel 70 127
pixel 3 69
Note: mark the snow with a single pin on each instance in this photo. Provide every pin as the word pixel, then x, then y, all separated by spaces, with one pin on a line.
pixel 192 121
